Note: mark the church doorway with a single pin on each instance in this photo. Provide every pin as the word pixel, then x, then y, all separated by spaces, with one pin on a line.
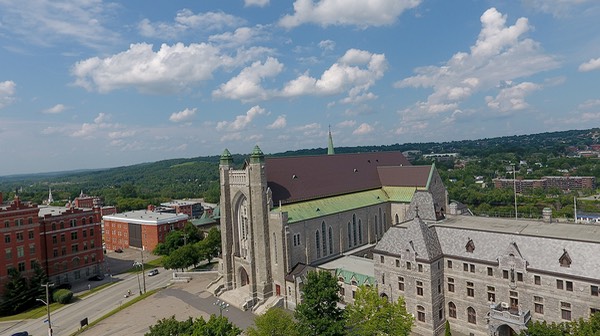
pixel 505 330
pixel 244 278
pixel 278 290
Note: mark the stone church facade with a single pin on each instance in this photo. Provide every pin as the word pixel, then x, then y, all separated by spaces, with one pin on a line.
pixel 283 215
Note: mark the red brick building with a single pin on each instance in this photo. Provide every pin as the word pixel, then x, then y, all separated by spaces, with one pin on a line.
pixel 140 229
pixel 21 240
pixel 71 242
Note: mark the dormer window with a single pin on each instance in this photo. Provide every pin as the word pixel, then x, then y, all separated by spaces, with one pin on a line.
pixel 565 259
pixel 470 247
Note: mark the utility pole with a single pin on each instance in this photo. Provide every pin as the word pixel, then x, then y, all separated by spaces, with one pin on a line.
pixel 47 303
pixel 143 271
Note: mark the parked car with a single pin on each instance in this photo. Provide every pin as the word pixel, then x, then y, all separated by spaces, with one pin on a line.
pixel 96 277
pixel 119 250
pixel 153 272
pixel 21 333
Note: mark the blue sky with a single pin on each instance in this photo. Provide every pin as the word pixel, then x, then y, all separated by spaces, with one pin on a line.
pixel 93 83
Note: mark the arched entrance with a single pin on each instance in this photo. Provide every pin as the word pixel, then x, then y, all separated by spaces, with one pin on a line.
pixel 244 278
pixel 505 330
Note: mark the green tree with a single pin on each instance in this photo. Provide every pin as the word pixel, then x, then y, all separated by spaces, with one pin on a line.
pixel 319 314
pixel 371 314
pixel 17 296
pixel 542 328
pixel 447 331
pixel 191 234
pixel 215 326
pixel 213 243
pixel 275 322
pixel 36 281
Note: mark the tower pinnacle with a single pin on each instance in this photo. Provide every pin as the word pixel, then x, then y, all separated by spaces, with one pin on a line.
pixel 330 150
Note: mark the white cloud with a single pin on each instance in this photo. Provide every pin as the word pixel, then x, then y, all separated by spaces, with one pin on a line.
pixel 7 92
pixel 310 130
pixel 89 130
pixel 171 68
pixel 512 98
pixel 592 64
pixel 237 136
pixel 356 72
pixel 102 118
pixel 346 123
pixel 588 104
pixel 241 121
pixel 259 3
pixel 327 45
pixel 363 129
pixel 48 22
pixel 247 85
pixel 361 13
pixel 184 115
pixel 186 20
pixel 279 123
pixel 58 108
pixel 239 37
pixel 557 8
pixel 500 54
pixel 121 134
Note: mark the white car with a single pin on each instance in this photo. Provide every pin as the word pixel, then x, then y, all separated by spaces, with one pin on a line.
pixel 153 272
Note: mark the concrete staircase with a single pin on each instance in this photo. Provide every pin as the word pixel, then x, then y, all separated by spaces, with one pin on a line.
pixel 237 297
pixel 273 301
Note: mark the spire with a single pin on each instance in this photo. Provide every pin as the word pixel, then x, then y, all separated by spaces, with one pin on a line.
pixel 257 155
pixel 226 158
pixel 330 150
pixel 50 199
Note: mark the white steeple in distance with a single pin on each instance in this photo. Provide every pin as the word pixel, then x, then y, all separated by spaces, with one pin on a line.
pixel 50 199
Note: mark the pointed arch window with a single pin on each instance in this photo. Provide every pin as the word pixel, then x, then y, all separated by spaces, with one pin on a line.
pixel 318 244
pixel 471 315
pixel 359 231
pixel 354 229
pixel 349 235
pixel 451 309
pixel 323 233
pixel 330 240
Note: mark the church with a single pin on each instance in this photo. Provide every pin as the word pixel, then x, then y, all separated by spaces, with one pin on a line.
pixel 282 215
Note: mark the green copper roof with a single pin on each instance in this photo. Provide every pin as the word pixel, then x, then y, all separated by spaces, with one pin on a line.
pixel 360 279
pixel 226 157
pixel 301 211
pixel 257 155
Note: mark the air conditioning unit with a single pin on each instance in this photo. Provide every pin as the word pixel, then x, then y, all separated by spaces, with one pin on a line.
pixel 504 305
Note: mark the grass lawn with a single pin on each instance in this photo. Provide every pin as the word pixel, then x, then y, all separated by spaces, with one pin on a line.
pixel 32 313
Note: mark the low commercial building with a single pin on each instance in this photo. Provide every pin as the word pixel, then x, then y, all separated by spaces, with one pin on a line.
pixel 140 228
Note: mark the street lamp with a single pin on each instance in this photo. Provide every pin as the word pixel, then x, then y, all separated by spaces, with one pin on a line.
pixel 222 306
pixel 47 303
pixel 138 264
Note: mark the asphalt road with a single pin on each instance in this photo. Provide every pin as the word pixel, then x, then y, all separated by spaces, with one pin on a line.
pixel 66 320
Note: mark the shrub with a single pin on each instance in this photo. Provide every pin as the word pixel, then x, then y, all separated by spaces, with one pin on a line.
pixel 63 296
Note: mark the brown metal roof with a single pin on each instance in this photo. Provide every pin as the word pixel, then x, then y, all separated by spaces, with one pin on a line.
pixel 405 176
pixel 300 178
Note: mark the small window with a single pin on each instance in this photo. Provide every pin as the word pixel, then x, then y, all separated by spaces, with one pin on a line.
pixel 381 259
pixel 472 268
pixel 420 267
pixel 559 284
pixel 565 311
pixel 408 265
pixel 490 271
pixel 421 313
pixel 537 280
pixel 470 289
pixel 401 283
pixel 451 285
pixel 569 286
pixel 471 315
pixel 465 267
pixel 594 290
pixel 397 262
pixel 419 288
pixel 504 274
pixel 452 310
pixel 449 263
pixel 519 276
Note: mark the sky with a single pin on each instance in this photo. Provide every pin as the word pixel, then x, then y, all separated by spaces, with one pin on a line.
pixel 96 84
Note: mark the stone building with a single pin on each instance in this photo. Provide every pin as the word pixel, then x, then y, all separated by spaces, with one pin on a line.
pixel 281 216
pixel 489 276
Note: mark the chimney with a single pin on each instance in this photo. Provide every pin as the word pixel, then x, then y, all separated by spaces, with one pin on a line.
pixel 547 215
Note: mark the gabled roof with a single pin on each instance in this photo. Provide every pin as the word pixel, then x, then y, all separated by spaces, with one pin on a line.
pixel 405 176
pixel 293 179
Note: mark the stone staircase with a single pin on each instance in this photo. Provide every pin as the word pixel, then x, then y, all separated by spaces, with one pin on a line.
pixel 237 297
pixel 273 301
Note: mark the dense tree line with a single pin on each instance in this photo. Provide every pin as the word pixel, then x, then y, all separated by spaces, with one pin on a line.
pixel 186 248
pixel 21 293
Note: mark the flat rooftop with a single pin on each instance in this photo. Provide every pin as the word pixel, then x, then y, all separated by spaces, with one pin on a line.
pixel 352 263
pixel 179 203
pixel 536 228
pixel 146 217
